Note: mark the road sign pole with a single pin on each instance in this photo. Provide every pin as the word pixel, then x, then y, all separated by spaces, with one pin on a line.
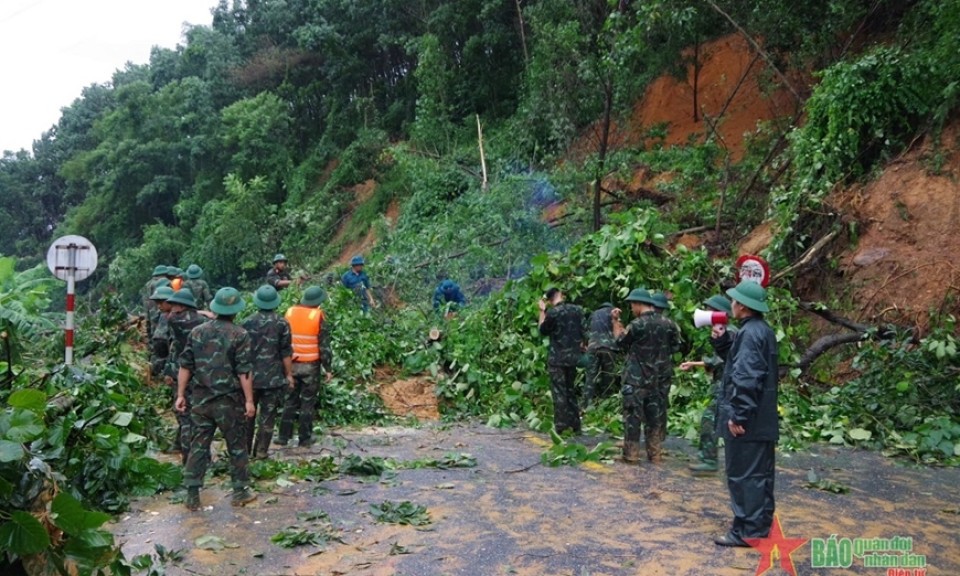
pixel 71 301
pixel 71 258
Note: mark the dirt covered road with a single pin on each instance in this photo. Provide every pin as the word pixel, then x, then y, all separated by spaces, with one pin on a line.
pixel 511 515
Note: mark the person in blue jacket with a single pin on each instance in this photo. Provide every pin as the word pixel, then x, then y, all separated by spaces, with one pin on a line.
pixel 448 291
pixel 357 280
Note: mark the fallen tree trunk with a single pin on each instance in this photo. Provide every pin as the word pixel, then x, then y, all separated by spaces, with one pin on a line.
pixel 857 333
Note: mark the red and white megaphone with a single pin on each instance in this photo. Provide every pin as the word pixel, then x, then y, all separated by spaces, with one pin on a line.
pixel 703 318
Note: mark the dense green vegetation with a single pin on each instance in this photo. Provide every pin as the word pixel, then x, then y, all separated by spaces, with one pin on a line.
pixel 263 130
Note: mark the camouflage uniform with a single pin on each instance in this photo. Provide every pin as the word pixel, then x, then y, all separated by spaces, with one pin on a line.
pixel 274 276
pixel 179 326
pixel 649 341
pixel 216 353
pixel 710 416
pixel 301 402
pixel 666 377
pixel 270 337
pixel 564 325
pixel 601 353
pixel 200 290
pixel 149 306
pixel 159 344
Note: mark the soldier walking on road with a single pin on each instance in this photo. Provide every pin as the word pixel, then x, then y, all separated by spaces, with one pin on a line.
pixel 160 338
pixel 217 357
pixel 181 320
pixel 149 306
pixel 272 367
pixel 312 356
pixel 198 286
pixel 563 323
pixel 648 343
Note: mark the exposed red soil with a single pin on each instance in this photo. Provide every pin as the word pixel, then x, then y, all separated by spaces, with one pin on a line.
pixel 904 264
pixel 415 396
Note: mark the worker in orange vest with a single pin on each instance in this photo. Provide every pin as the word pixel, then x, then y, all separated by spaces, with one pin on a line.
pixel 310 332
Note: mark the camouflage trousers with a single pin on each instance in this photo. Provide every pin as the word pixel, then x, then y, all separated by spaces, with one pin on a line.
pixel 225 413
pixel 601 376
pixel 566 414
pixel 301 403
pixel 184 434
pixel 642 412
pixel 664 388
pixel 708 427
pixel 260 429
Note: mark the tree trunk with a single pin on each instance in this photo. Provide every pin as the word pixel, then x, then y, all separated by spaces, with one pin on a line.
pixel 602 153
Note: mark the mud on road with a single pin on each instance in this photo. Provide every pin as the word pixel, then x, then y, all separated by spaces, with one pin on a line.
pixel 511 515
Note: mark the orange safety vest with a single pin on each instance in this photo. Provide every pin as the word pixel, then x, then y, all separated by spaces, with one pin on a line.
pixel 176 284
pixel 305 326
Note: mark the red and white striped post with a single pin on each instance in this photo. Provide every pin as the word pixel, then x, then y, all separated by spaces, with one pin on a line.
pixel 71 302
pixel 71 258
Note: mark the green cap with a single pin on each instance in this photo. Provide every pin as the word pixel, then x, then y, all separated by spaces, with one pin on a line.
pixel 751 295
pixel 227 302
pixel 279 258
pixel 641 295
pixel 194 271
pixel 183 296
pixel 266 298
pixel 357 261
pixel 162 293
pixel 660 300
pixel 718 302
pixel 313 296
pixel 160 270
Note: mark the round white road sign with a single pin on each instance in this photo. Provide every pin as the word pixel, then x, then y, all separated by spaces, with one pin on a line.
pixel 73 254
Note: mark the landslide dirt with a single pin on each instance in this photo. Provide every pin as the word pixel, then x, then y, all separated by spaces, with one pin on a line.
pixel 904 262
pixel 511 515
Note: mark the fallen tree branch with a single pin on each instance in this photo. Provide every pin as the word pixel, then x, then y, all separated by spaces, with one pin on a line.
pixel 825 343
pixel 808 257
pixel 829 316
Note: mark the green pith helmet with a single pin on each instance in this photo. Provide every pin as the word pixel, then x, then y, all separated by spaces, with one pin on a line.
pixel 279 258
pixel 640 295
pixel 719 303
pixel 313 296
pixel 751 295
pixel 160 270
pixel 194 271
pixel 183 296
pixel 161 282
pixel 174 271
pixel 660 300
pixel 357 261
pixel 162 293
pixel 227 302
pixel 266 298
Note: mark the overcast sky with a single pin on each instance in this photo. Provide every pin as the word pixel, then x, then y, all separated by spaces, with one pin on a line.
pixel 51 49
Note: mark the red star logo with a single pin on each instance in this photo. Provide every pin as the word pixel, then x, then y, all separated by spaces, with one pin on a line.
pixel 777 543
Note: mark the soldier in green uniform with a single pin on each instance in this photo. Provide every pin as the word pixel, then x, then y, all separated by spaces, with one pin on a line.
pixel 272 367
pixel 278 276
pixel 218 359
pixel 198 286
pixel 181 320
pixel 649 343
pixel 149 306
pixel 662 304
pixel 708 420
pixel 160 338
pixel 564 324
pixel 601 353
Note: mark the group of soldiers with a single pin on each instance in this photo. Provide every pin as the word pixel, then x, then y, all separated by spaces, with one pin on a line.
pixel 236 378
pixel 743 398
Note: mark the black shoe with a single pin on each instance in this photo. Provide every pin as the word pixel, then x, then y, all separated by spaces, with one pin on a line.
pixel 281 441
pixel 730 540
pixel 307 442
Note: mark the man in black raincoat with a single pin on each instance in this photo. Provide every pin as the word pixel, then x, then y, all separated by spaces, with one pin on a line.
pixel 748 414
